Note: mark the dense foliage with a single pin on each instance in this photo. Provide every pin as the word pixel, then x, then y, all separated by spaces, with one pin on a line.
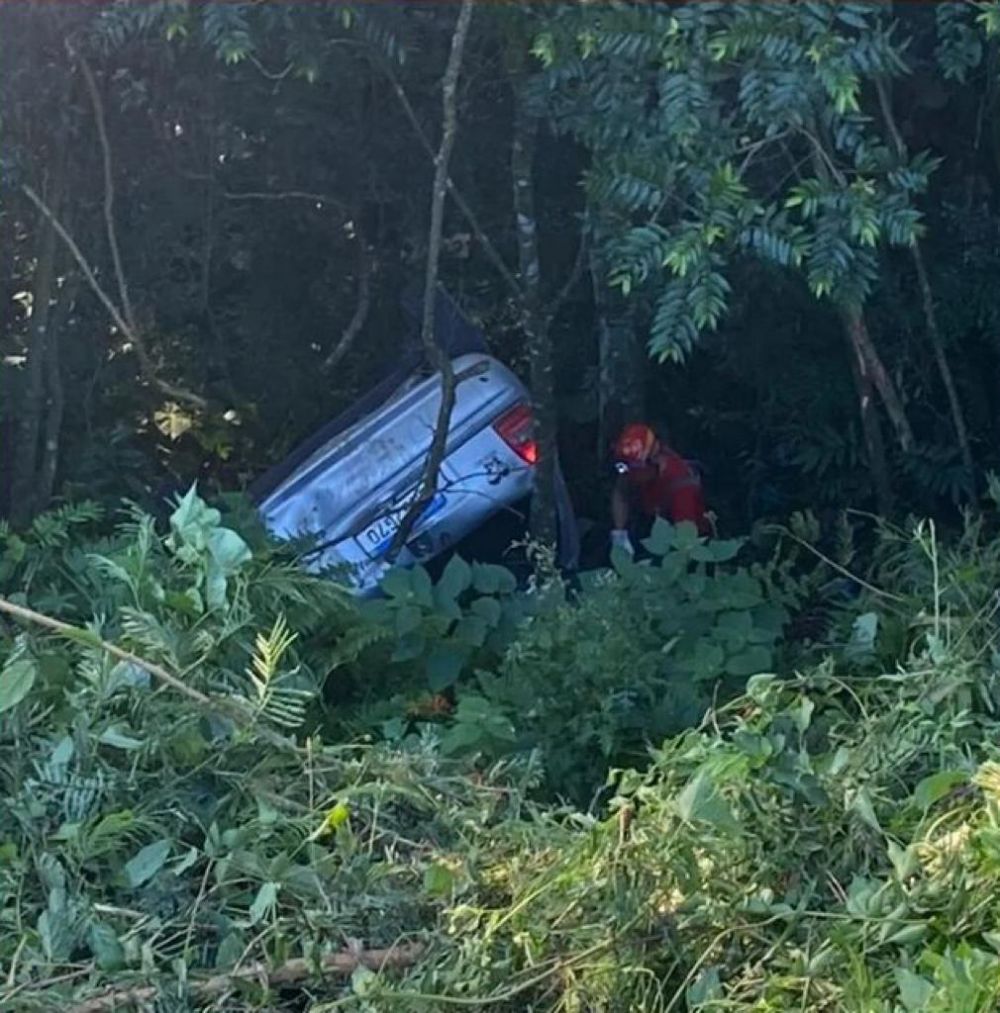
pixel 260 176
pixel 823 837
pixel 737 773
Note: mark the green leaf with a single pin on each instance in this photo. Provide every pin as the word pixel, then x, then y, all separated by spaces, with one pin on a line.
pixel 701 801
pixel 764 689
pixel 488 609
pixel 661 538
pixel 471 630
pixel 118 739
pixel 933 788
pixel 706 660
pixel 230 950
pixel 861 804
pixel 228 550
pixel 422 586
pixel 408 619
pixel 107 950
pixel 749 662
pixel 397 583
pixel 456 577
pixel 444 666
pixel 16 680
pixel 864 633
pixel 706 988
pixel 487 578
pixel 915 992
pixel 439 881
pixel 147 863
pixel 264 902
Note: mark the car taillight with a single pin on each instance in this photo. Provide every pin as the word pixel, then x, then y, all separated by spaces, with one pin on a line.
pixel 516 428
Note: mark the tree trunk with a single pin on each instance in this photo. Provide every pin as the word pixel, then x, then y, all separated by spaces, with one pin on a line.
pixel 535 325
pixel 55 399
pixel 927 298
pixel 31 407
pixel 947 378
pixel 871 428
pixel 880 379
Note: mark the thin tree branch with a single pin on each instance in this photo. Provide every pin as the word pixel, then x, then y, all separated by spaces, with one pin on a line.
pixel 119 321
pixel 291 971
pixel 930 311
pixel 572 280
pixel 492 254
pixel 264 195
pixel 435 354
pixel 109 188
pixel 357 321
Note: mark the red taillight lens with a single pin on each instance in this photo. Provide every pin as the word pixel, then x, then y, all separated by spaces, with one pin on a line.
pixel 516 428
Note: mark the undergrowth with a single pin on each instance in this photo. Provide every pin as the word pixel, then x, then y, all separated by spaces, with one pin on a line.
pixel 631 795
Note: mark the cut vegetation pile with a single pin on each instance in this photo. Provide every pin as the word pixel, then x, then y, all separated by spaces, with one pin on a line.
pixel 827 838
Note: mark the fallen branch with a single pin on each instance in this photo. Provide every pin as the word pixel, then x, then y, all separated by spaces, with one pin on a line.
pixel 76 634
pixel 291 971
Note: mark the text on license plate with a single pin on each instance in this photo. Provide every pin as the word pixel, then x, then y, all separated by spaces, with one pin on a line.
pixel 377 537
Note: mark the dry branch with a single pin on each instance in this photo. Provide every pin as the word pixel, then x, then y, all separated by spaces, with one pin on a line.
pixel 290 972
pixel 75 633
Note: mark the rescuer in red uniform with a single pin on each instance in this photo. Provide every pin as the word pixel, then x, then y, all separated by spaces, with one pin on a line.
pixel 656 480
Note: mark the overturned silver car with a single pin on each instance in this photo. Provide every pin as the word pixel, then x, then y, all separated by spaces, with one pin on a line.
pixel 349 486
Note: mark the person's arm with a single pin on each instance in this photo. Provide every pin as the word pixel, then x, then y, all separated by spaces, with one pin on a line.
pixel 620 505
pixel 619 515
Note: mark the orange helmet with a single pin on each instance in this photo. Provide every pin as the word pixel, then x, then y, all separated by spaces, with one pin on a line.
pixel 635 446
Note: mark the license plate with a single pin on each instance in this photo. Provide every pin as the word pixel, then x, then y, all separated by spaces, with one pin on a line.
pixel 377 537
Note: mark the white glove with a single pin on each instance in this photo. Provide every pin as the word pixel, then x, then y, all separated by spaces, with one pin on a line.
pixel 621 539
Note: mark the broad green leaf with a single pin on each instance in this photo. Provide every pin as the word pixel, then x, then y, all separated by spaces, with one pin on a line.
pixel 409 647
pixel 754 659
pixel 422 586
pixel 706 660
pixel 915 992
pixel 408 619
pixel 397 583
pixel 456 577
pixel 228 550
pixel 444 666
pixel 108 952
pixel 933 788
pixel 661 538
pixel 16 680
pixel 487 578
pixel 700 801
pixel 706 988
pixel 764 689
pixel 864 633
pixel 488 609
pixel 230 950
pixel 264 903
pixel 439 881
pixel 147 863
pixel 471 630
